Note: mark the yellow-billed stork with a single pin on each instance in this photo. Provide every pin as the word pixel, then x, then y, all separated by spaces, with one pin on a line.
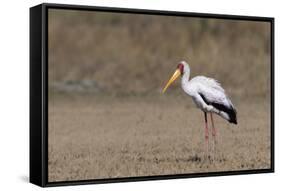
pixel 207 94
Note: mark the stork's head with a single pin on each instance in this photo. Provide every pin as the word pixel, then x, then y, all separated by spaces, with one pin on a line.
pixel 182 68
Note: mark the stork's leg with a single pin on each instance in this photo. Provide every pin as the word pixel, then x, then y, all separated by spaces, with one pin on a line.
pixel 214 132
pixel 206 135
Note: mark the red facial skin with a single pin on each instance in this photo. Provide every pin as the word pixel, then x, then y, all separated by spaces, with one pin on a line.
pixel 180 67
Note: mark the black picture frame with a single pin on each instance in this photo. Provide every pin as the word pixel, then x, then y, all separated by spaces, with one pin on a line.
pixel 39 93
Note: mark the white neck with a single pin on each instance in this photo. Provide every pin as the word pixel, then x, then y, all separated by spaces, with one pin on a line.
pixel 186 76
pixel 185 82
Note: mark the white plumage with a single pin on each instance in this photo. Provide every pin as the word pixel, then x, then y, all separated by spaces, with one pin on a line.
pixel 207 94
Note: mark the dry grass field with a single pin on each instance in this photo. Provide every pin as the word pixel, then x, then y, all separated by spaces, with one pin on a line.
pixel 107 117
pixel 94 137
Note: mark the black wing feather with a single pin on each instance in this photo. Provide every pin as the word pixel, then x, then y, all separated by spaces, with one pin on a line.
pixel 229 110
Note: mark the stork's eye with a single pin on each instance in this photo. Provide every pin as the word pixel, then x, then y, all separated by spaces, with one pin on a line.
pixel 180 67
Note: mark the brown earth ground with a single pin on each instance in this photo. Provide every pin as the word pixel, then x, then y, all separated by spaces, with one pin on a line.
pixel 95 137
pixel 105 118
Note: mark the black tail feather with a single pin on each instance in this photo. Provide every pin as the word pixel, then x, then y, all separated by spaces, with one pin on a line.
pixel 229 110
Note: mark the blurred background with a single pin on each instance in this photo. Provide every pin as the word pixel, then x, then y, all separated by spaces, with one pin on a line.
pixel 107 116
pixel 134 54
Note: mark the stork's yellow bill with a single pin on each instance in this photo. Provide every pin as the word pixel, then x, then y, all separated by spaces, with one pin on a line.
pixel 176 74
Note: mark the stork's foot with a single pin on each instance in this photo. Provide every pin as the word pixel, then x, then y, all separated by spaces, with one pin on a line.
pixel 207 159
